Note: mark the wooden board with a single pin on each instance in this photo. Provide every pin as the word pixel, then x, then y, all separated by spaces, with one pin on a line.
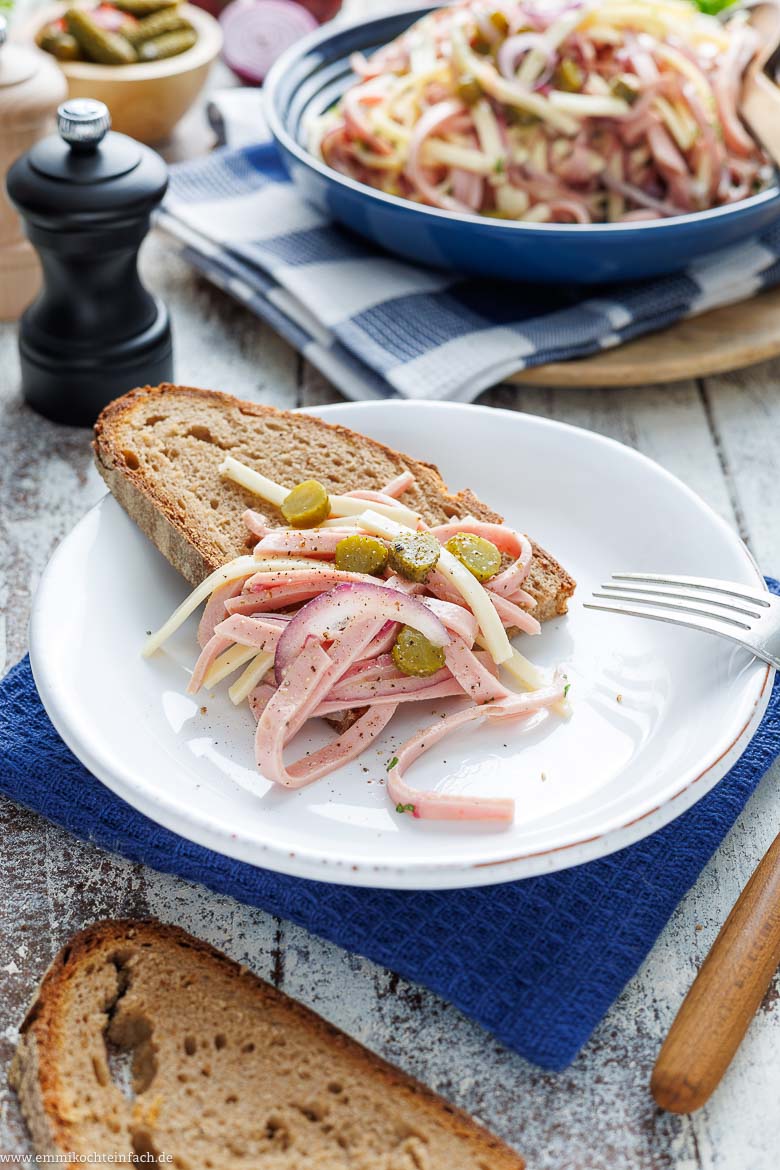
pixel 726 339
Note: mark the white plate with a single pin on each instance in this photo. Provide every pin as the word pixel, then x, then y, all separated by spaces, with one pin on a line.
pixel 614 773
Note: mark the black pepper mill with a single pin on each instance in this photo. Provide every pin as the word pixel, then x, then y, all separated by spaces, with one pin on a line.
pixel 86 197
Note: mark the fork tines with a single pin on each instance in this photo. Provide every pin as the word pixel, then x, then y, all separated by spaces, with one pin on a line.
pixel 722 607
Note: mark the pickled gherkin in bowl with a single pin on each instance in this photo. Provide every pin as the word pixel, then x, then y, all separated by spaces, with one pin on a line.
pixel 122 33
pixel 146 59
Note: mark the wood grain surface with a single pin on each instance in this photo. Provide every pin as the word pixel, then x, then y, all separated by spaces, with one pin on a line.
pixel 729 338
pixel 720 436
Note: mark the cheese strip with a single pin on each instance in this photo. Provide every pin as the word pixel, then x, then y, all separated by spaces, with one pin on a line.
pixel 275 494
pixel 342 521
pixel 531 678
pixel 227 662
pixel 240 567
pixel 477 599
pixel 254 674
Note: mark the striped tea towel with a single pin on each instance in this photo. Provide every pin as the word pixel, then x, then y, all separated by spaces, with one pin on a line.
pixel 380 327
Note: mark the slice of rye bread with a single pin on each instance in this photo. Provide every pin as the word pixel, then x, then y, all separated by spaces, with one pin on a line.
pixel 227 1072
pixel 159 451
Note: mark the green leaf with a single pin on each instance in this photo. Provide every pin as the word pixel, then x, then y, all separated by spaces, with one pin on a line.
pixel 392 763
pixel 566 690
pixel 713 7
pixel 403 808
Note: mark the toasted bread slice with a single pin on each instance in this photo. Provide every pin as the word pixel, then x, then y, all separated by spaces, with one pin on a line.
pixel 159 450
pixel 227 1072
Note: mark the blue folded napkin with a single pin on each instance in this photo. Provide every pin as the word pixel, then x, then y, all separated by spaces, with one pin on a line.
pixel 537 962
pixel 376 326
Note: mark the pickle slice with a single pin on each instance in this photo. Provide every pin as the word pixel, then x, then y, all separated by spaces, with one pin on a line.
pixel 414 654
pixel 361 554
pixel 414 554
pixel 569 76
pixel 480 556
pixel 469 90
pixel 626 87
pixel 306 505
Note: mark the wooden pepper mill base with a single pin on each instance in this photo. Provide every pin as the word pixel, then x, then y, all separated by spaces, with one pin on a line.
pixel 31 87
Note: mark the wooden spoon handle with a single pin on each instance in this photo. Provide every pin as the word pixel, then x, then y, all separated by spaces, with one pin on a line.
pixel 760 99
pixel 724 997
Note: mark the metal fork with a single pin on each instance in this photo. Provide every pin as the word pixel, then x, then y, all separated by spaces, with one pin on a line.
pixel 746 615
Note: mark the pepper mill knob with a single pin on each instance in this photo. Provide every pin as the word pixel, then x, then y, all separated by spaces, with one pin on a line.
pixel 83 123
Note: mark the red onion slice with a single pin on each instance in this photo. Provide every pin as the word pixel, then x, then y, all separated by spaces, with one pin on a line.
pixel 468 188
pixel 256 32
pixel 327 616
pixel 433 121
pixel 513 49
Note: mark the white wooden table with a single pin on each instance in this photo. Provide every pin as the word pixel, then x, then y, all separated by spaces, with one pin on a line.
pixel 721 437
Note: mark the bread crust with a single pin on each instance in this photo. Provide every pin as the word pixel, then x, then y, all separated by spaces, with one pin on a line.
pixel 184 544
pixel 35 1074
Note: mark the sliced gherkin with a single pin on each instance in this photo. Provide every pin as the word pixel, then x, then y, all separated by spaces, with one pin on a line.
pixel 168 45
pixel 96 43
pixel 414 554
pixel 480 556
pixel 569 76
pixel 469 90
pixel 308 503
pixel 415 655
pixel 626 87
pixel 500 22
pixel 361 554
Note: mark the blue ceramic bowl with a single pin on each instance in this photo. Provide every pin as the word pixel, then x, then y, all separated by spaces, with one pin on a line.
pixel 313 74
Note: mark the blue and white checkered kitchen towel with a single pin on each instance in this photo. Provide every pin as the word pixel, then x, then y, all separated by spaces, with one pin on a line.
pixel 376 326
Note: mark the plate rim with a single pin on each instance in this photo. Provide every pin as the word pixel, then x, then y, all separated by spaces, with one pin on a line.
pixel 306 862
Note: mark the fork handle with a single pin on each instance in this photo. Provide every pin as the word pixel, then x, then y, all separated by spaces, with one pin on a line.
pixel 724 997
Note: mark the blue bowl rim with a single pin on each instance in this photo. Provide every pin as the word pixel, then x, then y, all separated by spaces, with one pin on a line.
pixel 324 34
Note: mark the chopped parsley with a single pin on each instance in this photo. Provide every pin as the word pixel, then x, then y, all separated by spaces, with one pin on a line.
pixel 566 690
pixel 392 763
pixel 499 166
pixel 402 808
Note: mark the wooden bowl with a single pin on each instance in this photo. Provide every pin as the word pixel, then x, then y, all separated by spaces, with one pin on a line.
pixel 146 100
